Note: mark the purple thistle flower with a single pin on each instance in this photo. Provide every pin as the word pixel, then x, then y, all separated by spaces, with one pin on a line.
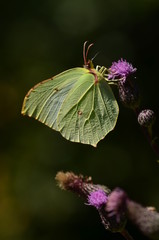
pixel 121 69
pixel 97 198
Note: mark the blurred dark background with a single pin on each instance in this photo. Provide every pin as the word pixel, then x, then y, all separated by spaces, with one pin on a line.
pixel 38 40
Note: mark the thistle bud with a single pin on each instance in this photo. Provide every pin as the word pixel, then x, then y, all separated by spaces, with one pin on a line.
pixel 146 118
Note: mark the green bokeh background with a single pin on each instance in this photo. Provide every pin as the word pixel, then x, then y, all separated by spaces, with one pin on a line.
pixel 38 40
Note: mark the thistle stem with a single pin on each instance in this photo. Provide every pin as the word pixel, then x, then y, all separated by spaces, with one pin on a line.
pixel 126 235
pixel 148 134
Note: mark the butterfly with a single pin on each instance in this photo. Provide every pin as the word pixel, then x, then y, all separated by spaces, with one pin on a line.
pixel 79 103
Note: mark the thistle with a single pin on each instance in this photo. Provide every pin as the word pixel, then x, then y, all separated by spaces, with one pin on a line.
pixel 93 194
pixel 114 207
pixel 123 72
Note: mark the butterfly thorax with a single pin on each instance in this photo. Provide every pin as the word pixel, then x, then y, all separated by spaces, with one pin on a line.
pixel 99 73
pixel 89 65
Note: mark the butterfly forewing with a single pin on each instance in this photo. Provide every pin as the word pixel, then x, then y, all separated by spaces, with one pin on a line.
pixel 44 100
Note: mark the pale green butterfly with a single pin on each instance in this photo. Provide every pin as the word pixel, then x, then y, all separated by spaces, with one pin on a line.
pixel 78 103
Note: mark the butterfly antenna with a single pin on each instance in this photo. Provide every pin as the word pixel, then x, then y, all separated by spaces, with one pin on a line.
pixel 90 45
pixel 95 56
pixel 85 52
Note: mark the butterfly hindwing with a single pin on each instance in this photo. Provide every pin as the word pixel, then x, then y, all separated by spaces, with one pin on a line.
pixel 89 111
